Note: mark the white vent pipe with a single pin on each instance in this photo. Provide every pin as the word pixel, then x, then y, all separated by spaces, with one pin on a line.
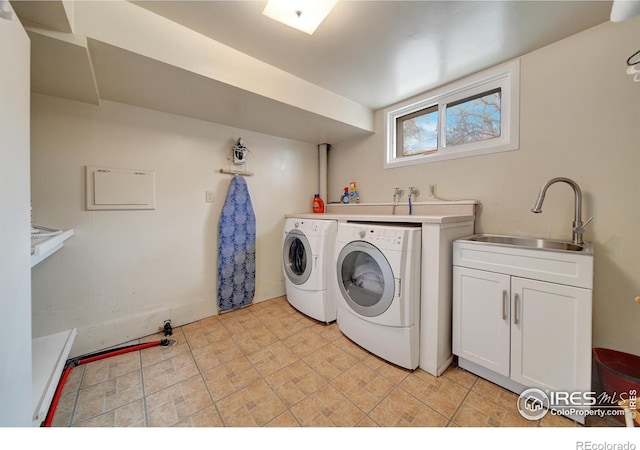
pixel 323 150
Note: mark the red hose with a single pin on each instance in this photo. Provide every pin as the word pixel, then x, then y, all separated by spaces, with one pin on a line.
pixel 65 374
pixel 119 352
pixel 56 397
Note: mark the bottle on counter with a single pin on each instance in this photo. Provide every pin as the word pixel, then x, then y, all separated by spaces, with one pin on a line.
pixel 353 193
pixel 345 196
pixel 318 204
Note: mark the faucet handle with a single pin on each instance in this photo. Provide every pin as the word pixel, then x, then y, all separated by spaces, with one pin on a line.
pixel 580 229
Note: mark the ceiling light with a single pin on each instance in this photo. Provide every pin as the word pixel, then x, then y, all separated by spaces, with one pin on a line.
pixel 304 15
pixel 622 10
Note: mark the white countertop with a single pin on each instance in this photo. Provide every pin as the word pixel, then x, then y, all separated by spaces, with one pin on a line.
pixel 446 218
pixel 436 212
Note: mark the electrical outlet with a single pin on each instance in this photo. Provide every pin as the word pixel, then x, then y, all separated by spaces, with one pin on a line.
pixel 432 191
pixel 209 196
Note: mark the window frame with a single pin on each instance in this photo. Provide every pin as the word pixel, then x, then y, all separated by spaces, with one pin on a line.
pixel 399 122
pixel 505 77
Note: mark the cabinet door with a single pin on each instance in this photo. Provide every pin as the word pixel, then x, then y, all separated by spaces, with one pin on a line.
pixel 550 335
pixel 481 318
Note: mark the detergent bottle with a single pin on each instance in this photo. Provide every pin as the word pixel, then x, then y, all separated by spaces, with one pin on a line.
pixel 345 196
pixel 353 193
pixel 318 204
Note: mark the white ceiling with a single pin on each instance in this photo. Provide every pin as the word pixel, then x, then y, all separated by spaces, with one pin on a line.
pixel 366 55
pixel 380 52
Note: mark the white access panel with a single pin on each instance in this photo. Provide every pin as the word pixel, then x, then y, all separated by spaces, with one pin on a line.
pixel 109 189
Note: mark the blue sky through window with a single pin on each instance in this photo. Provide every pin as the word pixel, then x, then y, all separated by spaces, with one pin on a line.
pixel 421 134
pixel 474 120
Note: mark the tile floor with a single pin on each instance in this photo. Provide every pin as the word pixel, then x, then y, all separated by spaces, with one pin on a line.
pixel 268 365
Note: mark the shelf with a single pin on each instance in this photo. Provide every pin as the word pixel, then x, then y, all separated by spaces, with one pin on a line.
pixel 42 248
pixel 49 355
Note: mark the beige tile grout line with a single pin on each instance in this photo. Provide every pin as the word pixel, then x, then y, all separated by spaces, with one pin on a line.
pixel 204 383
pixel 449 422
pixel 144 393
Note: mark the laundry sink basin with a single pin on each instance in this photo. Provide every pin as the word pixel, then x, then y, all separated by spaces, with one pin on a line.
pixel 530 242
pixel 553 261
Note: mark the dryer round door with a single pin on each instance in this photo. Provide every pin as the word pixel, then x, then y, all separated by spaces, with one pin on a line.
pixel 296 257
pixel 365 278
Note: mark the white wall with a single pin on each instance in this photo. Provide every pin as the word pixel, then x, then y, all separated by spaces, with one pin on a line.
pixel 15 262
pixel 125 272
pixel 579 113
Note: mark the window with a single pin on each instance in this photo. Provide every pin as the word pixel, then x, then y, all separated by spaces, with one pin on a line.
pixel 475 116
pixel 474 119
pixel 417 132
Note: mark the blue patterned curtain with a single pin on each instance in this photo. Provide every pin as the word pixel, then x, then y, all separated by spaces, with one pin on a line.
pixel 237 251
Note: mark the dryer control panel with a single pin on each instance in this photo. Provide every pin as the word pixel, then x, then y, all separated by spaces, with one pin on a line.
pixel 388 237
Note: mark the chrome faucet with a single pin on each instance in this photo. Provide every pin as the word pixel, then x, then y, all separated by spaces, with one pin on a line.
pixel 397 194
pixel 577 228
pixel 412 192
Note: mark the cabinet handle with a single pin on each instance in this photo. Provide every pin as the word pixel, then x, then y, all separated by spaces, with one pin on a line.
pixel 516 309
pixel 504 304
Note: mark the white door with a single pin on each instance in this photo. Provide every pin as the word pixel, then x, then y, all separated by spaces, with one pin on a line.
pixel 365 279
pixel 297 257
pixel 15 239
pixel 481 318
pixel 551 336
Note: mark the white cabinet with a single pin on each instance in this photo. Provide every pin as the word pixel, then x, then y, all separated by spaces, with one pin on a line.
pixel 518 331
pixel 481 325
pixel 550 336
pixel 49 353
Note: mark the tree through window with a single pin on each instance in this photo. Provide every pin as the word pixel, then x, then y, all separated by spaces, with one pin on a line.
pixel 476 115
pixel 474 119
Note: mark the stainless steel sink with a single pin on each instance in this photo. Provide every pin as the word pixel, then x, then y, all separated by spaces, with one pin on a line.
pixel 530 242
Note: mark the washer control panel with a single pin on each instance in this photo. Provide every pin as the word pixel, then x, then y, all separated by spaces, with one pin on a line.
pixel 311 227
pixel 389 237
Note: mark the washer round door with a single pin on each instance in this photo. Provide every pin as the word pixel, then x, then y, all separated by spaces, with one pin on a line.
pixel 296 257
pixel 365 278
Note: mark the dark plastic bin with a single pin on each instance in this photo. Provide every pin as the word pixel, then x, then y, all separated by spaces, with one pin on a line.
pixel 619 372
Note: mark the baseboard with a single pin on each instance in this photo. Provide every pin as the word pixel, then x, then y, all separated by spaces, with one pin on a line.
pixel 444 366
pixel 109 334
pixel 505 382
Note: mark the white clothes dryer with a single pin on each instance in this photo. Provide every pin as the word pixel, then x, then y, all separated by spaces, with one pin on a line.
pixel 377 284
pixel 307 258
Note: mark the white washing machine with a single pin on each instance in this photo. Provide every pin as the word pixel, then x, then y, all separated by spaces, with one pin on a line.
pixel 377 284
pixel 307 259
